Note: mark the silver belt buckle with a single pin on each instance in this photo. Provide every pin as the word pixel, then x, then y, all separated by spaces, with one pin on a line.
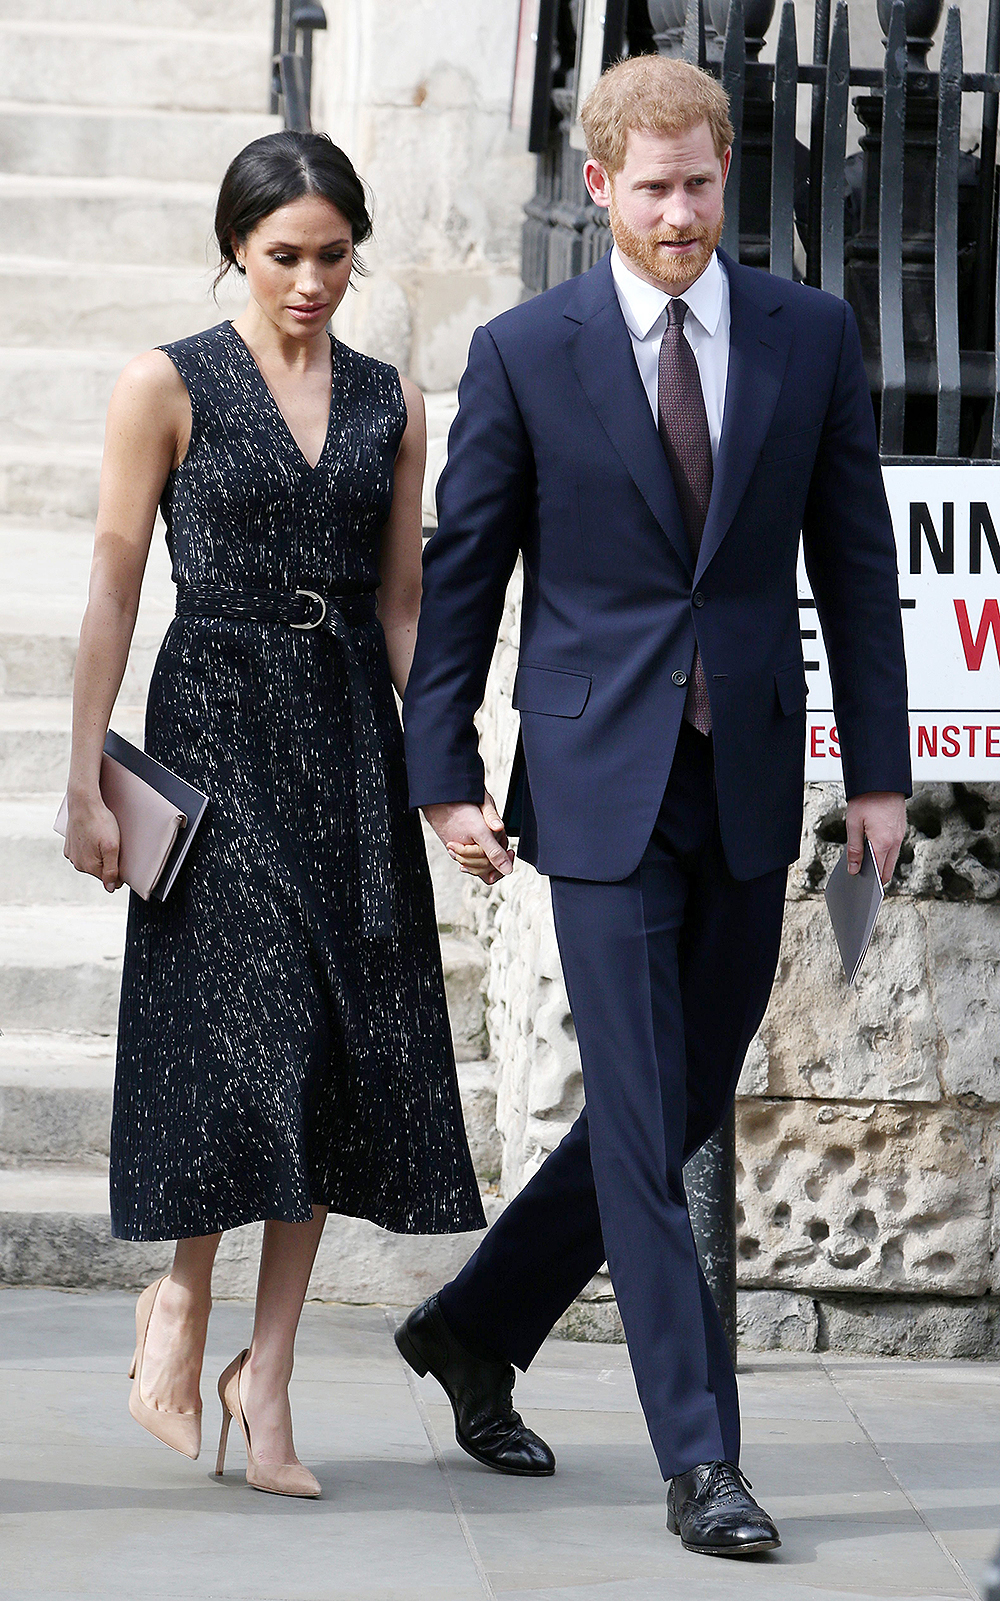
pixel 312 595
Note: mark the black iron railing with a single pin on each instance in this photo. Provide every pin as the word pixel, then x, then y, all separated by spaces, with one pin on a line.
pixel 906 229
pixel 295 22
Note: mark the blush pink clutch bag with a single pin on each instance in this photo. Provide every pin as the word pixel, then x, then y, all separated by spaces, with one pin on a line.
pixel 147 801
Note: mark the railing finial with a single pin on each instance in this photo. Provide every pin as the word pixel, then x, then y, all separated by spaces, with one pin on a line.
pixel 923 18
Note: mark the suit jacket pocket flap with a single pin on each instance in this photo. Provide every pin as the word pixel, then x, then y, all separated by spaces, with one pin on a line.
pixel 551 691
pixel 790 683
pixel 787 446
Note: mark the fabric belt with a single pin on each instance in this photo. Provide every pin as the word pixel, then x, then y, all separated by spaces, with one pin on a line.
pixel 338 615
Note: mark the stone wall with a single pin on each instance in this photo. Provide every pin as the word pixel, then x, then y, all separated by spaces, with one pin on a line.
pixel 868 1153
pixel 418 93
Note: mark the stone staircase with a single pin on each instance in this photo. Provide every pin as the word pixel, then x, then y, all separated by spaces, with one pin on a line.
pixel 117 118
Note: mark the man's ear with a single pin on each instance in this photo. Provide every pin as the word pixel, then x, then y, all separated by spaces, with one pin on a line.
pixel 727 157
pixel 598 182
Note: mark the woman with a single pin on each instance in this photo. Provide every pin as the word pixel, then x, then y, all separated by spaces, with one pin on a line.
pixel 283 1040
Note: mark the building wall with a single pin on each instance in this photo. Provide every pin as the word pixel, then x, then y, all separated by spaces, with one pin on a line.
pixel 418 93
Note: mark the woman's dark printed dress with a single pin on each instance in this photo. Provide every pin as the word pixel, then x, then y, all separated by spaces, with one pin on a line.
pixel 275 1050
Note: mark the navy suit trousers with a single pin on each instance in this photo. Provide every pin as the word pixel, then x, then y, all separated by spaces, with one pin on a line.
pixel 668 972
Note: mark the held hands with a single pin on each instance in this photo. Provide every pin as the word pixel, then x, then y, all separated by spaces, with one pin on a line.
pixel 474 837
pixel 882 817
pixel 92 842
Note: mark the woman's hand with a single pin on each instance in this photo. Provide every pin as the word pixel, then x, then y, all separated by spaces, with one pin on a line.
pixel 93 842
pixel 472 859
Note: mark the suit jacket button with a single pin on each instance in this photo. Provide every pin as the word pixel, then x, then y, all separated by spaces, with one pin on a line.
pixel 697 599
pixel 679 678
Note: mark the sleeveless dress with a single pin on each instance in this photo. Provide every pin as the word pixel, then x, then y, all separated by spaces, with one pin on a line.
pixel 283 1033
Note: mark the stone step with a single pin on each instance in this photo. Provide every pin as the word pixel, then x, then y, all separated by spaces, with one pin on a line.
pixel 56 1092
pixel 102 307
pixel 55 1230
pixel 33 869
pixel 60 970
pixel 40 662
pixel 57 483
pixel 93 141
pixel 35 740
pixel 97 64
pixel 44 575
pixel 55 1097
pixel 114 220
pixel 245 16
pixel 62 392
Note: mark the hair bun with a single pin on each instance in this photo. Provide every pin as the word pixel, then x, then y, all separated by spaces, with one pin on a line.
pixel 272 172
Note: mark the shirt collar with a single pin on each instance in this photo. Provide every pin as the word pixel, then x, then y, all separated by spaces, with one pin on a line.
pixel 642 305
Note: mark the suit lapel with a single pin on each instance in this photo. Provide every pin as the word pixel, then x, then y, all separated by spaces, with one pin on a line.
pixel 758 352
pixel 601 352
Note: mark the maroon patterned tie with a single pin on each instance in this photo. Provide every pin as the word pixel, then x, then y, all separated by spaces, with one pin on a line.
pixel 688 445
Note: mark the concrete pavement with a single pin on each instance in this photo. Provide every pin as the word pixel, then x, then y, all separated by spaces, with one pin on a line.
pixel 883 1475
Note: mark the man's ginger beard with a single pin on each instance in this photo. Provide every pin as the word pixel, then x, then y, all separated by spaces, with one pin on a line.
pixel 641 248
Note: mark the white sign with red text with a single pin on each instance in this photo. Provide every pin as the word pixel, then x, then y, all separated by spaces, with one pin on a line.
pixel 947 525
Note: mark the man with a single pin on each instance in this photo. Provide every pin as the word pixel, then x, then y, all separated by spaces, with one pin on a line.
pixel 651 437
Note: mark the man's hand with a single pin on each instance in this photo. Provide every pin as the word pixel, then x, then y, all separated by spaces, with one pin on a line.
pixel 473 836
pixel 882 817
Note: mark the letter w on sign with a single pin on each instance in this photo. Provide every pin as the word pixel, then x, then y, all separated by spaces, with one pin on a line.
pixel 989 623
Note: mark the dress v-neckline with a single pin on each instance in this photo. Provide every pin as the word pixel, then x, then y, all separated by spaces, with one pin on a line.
pixel 311 466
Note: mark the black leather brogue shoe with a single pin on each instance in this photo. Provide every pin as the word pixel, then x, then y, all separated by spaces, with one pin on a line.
pixel 712 1510
pixel 480 1392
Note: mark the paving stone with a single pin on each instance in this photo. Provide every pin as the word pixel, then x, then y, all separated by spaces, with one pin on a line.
pixel 93 1505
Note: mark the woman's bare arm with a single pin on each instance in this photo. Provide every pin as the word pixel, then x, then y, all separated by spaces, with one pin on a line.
pixel 148 428
pixel 402 543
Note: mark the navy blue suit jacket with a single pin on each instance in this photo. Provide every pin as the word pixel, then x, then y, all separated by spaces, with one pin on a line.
pixel 555 455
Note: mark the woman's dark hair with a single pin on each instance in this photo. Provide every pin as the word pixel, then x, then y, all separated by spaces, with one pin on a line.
pixel 273 171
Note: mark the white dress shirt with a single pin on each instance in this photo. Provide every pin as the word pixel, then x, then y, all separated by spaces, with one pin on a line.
pixel 706 328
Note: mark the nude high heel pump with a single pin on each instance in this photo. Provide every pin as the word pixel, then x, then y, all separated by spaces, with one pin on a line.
pixel 181 1430
pixel 279 1478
